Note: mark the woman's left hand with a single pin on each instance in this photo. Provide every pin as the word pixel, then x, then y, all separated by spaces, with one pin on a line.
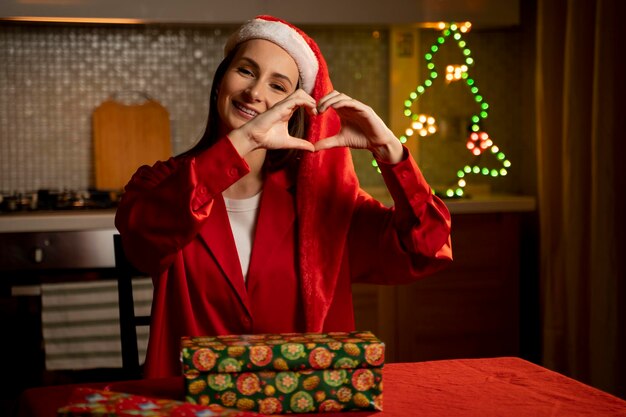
pixel 361 128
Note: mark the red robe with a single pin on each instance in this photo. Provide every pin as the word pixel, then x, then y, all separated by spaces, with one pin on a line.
pixel 174 225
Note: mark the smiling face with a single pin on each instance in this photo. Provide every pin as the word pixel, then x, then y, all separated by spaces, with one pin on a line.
pixel 260 75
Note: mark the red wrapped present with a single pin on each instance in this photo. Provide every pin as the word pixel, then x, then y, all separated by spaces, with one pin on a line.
pixel 87 402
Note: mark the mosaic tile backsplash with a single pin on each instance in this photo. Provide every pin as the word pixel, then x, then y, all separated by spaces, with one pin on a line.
pixel 52 77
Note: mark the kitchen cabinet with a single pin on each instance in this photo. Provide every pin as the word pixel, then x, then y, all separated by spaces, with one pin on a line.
pixel 472 308
pixel 484 13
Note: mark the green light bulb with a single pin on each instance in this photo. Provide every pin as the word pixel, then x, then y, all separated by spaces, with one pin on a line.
pixel 484 106
pixel 434 48
pixel 485 171
pixel 441 40
pixel 408 103
pixel 479 98
pixel 407 112
pixel 433 74
pixel 413 95
pixel 475 119
pixel 469 61
pixel 474 89
pixel 428 83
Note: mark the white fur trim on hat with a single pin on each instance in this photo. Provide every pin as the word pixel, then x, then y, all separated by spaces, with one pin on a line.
pixel 284 36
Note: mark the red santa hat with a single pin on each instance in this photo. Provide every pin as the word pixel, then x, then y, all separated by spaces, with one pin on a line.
pixel 327 184
pixel 288 37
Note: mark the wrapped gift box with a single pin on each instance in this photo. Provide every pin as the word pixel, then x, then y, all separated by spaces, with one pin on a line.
pixel 285 372
pixel 86 402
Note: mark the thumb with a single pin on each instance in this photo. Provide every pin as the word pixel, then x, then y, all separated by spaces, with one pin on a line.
pixel 297 143
pixel 328 143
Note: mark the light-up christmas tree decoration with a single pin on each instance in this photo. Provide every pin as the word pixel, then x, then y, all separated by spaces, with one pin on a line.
pixel 478 143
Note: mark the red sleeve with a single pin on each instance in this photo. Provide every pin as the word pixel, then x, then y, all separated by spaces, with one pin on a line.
pixel 403 243
pixel 164 206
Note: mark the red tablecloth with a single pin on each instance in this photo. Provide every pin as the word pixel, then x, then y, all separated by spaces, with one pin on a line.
pixel 463 387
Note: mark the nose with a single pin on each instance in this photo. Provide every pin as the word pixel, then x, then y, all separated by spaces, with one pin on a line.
pixel 253 91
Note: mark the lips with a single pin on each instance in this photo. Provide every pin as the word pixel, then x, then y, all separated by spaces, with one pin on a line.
pixel 248 111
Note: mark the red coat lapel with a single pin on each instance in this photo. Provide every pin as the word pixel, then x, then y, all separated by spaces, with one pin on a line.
pixel 218 236
pixel 276 217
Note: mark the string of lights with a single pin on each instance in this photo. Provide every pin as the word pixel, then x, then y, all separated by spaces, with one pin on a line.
pixel 478 141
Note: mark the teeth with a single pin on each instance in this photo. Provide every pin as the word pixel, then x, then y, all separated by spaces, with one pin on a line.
pixel 245 109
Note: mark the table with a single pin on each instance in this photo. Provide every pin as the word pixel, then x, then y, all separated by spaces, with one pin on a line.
pixel 460 387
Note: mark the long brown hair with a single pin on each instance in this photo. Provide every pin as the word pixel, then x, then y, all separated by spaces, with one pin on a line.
pixel 276 158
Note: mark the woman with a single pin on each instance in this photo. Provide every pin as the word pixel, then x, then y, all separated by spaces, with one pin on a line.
pixel 262 226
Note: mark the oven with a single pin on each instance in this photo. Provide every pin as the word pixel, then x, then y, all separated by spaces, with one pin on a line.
pixel 39 247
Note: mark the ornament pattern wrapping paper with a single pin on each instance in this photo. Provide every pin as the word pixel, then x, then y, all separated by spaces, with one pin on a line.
pixel 87 402
pixel 285 372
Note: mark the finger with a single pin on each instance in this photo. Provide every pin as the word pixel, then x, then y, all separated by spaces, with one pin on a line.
pixel 296 143
pixel 297 100
pixel 323 103
pixel 291 103
pixel 328 143
pixel 301 92
pixel 342 102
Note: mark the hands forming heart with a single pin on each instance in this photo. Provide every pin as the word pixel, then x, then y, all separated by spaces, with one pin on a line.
pixel 361 127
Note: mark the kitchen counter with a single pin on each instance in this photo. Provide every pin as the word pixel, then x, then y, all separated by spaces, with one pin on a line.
pixel 491 204
pixel 55 221
pixel 484 203
pixel 50 221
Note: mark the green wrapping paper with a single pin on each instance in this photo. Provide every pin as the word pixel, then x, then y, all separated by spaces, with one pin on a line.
pixel 286 372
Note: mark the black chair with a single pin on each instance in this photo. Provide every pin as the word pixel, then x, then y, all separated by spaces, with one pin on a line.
pixel 128 320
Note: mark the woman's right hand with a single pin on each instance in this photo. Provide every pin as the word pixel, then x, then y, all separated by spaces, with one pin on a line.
pixel 270 129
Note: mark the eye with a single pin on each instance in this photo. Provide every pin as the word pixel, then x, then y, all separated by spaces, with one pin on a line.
pixel 278 87
pixel 245 71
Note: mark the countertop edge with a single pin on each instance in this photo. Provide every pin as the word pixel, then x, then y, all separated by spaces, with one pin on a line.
pixel 62 221
pixel 67 221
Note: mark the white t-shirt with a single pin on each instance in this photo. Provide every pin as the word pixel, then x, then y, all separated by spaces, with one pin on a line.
pixel 242 215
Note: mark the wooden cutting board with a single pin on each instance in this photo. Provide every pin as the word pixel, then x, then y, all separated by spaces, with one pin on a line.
pixel 127 136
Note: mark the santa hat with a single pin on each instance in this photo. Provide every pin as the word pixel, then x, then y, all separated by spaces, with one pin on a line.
pixel 288 37
pixel 327 185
